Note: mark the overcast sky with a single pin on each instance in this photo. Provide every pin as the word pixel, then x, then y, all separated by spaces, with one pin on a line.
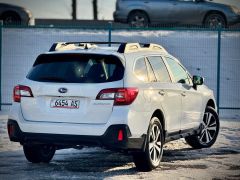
pixel 61 9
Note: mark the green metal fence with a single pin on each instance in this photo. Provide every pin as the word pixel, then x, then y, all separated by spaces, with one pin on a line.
pixel 221 46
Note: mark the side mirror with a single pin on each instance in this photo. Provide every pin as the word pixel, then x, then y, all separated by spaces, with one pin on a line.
pixel 197 80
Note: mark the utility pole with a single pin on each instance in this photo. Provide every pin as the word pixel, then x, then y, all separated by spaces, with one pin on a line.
pixel 95 9
pixel 74 9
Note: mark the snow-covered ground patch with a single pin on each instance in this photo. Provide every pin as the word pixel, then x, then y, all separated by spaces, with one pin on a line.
pixel 222 161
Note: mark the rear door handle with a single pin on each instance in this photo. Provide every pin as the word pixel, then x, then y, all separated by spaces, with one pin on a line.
pixel 183 94
pixel 162 92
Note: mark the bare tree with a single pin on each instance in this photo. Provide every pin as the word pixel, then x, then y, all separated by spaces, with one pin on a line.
pixel 74 9
pixel 95 9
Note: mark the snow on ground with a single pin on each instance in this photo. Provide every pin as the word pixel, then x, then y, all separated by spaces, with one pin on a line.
pixel 222 161
pixel 197 50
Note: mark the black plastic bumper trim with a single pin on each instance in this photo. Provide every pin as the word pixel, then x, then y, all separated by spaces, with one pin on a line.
pixel 181 134
pixel 109 139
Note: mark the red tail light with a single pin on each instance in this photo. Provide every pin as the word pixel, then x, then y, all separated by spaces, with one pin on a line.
pixel 120 135
pixel 21 91
pixel 121 96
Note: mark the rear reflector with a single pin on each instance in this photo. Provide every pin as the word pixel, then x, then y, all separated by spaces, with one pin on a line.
pixel 10 130
pixel 21 91
pixel 121 96
pixel 120 135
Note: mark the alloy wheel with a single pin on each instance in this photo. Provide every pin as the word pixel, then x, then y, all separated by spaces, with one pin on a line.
pixel 209 130
pixel 138 21
pixel 216 21
pixel 155 144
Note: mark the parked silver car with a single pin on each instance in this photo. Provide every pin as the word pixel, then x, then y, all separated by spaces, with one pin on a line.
pixel 11 14
pixel 141 13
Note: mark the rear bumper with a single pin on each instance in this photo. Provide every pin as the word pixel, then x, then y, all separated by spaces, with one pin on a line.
pixel 109 139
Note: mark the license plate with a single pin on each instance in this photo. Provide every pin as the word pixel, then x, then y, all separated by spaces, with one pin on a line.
pixel 65 103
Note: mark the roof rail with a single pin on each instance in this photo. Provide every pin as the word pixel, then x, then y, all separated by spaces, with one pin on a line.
pixel 128 47
pixel 133 47
pixel 123 46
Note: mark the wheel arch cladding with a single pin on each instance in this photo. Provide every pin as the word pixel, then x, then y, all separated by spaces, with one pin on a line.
pixel 211 104
pixel 138 10
pixel 10 12
pixel 215 12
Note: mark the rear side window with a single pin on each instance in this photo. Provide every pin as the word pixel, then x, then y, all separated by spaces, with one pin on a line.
pixel 76 68
pixel 140 70
pixel 159 68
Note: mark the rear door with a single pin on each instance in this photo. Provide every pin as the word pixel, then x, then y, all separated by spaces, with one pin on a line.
pixel 168 93
pixel 65 87
pixel 186 11
pixel 159 11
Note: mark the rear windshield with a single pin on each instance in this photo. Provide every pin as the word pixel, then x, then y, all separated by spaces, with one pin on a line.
pixel 76 68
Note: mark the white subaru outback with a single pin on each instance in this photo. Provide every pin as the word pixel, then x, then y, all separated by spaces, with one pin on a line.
pixel 130 97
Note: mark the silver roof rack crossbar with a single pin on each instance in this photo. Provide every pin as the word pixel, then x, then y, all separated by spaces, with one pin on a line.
pixel 123 46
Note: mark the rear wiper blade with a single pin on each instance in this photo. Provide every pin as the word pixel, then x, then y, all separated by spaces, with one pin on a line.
pixel 53 79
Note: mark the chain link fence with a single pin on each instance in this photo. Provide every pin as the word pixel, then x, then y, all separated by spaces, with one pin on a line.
pixel 213 54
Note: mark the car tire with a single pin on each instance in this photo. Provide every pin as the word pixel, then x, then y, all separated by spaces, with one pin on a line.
pixel 215 21
pixel 11 18
pixel 138 19
pixel 209 131
pixel 152 155
pixel 37 154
